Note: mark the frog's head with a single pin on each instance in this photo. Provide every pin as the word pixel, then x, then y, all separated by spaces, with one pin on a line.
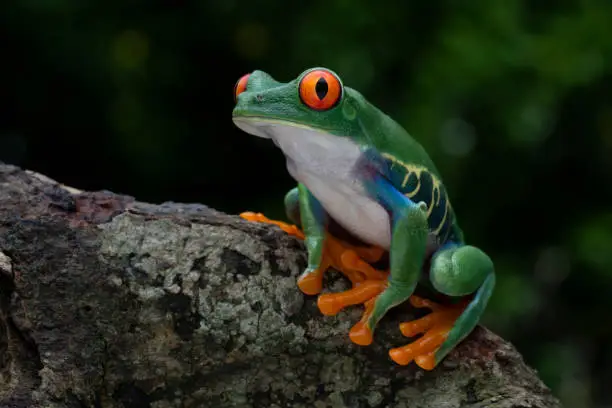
pixel 313 118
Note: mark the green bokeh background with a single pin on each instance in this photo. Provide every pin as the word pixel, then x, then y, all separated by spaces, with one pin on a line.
pixel 511 99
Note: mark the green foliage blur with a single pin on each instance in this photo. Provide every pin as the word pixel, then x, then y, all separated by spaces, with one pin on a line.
pixel 511 99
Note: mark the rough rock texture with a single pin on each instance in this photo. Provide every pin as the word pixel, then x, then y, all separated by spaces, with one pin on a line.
pixel 108 302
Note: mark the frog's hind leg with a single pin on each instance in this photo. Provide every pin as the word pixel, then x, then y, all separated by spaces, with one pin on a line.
pixel 408 245
pixel 324 250
pixel 455 271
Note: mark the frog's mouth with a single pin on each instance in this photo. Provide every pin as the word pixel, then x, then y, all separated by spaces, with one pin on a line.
pixel 268 128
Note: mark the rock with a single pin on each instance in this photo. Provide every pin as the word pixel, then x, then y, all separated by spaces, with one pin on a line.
pixel 109 302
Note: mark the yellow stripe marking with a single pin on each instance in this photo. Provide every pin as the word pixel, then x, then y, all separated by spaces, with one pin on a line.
pixel 417 170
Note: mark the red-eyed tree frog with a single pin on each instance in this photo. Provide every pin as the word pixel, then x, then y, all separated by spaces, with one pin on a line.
pixel 358 168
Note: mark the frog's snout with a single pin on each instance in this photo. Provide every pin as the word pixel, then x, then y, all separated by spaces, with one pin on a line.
pixel 250 98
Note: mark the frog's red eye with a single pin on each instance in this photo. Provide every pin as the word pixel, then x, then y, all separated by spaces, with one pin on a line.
pixel 320 89
pixel 240 86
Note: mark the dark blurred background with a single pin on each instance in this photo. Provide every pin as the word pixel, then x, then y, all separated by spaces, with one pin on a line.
pixel 511 99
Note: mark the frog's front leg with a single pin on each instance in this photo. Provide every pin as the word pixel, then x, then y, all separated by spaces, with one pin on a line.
pixel 324 250
pixel 407 253
pixel 455 271
pixel 293 213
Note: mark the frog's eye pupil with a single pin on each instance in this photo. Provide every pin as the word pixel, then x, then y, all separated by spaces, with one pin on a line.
pixel 321 88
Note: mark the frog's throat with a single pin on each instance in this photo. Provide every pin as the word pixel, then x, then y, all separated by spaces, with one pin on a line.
pixel 261 126
pixel 309 148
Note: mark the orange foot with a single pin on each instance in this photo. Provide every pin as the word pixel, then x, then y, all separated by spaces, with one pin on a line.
pixel 365 292
pixel 434 327
pixel 259 217
pixel 350 260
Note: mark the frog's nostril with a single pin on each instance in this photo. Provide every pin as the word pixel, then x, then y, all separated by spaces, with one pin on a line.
pixel 259 97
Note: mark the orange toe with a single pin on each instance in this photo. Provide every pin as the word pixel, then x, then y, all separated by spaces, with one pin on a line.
pixel 350 260
pixel 419 302
pixel 330 304
pixel 311 283
pixel 259 217
pixel 361 334
pixel 251 216
pixel 333 303
pixel 411 329
pixel 355 277
pixel 430 341
pixel 400 356
pixel 422 347
pixel 426 361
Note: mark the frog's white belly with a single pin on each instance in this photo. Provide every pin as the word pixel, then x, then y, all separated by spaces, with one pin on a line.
pixel 325 163
pixel 351 208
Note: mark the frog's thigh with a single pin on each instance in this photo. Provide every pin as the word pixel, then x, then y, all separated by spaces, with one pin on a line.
pixel 459 270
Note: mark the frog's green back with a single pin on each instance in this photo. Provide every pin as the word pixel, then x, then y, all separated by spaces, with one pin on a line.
pixel 413 171
pixel 387 135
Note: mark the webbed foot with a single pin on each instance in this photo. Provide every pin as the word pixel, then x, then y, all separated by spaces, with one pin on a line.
pixel 435 328
pixel 352 261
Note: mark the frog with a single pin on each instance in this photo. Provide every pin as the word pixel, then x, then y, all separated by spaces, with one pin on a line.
pixel 357 168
